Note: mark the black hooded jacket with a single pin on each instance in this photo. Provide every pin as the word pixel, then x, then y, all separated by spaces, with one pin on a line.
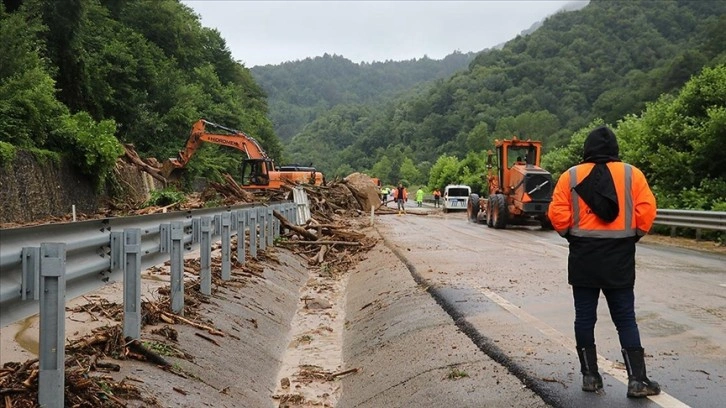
pixel 601 262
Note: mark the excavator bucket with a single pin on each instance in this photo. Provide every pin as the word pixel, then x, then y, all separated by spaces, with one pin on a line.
pixel 171 170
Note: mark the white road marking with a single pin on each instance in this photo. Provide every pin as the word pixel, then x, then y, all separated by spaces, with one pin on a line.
pixel 664 400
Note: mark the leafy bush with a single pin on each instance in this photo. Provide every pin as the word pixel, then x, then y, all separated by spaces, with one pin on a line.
pixel 94 146
pixel 7 153
pixel 164 197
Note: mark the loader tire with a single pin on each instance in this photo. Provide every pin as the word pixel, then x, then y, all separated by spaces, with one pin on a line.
pixel 499 212
pixel 472 208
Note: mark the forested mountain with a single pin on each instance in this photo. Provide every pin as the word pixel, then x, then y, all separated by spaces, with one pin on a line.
pixel 604 61
pixel 79 77
pixel 299 91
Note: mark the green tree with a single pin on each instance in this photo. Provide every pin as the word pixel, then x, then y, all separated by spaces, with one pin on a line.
pixel 409 171
pixel 383 169
pixel 444 171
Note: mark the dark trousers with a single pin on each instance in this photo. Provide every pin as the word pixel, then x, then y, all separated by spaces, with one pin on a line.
pixel 621 303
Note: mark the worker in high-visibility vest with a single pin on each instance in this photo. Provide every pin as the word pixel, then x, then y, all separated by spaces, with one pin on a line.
pixel 384 194
pixel 400 194
pixel 603 206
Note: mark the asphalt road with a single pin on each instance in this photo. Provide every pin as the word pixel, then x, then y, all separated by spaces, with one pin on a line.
pixel 507 290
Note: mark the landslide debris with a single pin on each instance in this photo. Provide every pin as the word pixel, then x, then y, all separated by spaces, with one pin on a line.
pixel 329 238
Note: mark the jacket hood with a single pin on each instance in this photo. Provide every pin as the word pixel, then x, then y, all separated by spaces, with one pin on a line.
pixel 601 146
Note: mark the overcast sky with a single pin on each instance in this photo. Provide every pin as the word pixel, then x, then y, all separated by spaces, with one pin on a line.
pixel 272 32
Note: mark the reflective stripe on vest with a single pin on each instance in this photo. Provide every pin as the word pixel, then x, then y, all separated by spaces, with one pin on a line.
pixel 627 230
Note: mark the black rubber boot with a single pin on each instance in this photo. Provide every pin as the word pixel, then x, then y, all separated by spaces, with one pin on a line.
pixel 591 379
pixel 639 385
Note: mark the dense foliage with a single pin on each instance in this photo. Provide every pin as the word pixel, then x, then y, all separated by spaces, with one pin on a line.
pixel 678 142
pixel 81 77
pixel 299 91
pixel 604 62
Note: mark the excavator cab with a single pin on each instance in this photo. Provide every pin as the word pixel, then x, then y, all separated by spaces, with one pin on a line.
pixel 256 172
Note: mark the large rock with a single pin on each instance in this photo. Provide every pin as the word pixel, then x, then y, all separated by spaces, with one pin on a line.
pixel 364 190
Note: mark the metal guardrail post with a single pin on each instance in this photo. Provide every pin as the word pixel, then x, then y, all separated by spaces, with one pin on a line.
pixel 253 232
pixel 132 283
pixel 296 214
pixel 30 281
pixel 205 255
pixel 177 267
pixel 164 238
pixel 272 222
pixel 262 216
pixel 217 224
pixel 295 218
pixel 51 382
pixel 117 250
pixel 196 231
pixel 241 231
pixel 226 246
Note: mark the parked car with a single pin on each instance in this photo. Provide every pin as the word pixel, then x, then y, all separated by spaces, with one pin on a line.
pixel 456 197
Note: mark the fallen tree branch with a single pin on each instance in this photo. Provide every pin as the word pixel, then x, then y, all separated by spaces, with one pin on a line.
pixel 321 254
pixel 209 329
pixel 299 242
pixel 341 373
pixel 302 231
pixel 207 338
pixel 131 154
pixel 138 348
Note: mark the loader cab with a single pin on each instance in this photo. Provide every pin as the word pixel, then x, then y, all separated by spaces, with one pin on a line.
pixel 515 156
pixel 256 172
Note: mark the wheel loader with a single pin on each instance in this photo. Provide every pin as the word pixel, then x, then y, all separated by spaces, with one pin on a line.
pixel 520 191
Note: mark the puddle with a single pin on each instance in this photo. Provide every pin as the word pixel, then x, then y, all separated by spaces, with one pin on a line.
pixel 27 340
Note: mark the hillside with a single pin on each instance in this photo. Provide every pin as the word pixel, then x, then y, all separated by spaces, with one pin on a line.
pixel 300 91
pixel 79 78
pixel 606 61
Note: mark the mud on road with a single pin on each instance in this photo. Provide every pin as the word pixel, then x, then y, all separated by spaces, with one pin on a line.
pixel 296 336
pixel 370 336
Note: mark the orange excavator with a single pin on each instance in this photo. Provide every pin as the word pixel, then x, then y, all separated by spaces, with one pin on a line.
pixel 258 170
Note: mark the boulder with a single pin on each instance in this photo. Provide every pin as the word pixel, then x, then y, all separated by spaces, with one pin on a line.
pixel 364 190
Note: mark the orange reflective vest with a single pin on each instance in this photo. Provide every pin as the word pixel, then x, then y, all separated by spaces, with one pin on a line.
pixel 570 215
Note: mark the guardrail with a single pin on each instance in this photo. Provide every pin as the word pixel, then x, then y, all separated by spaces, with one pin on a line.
pixel 40 267
pixel 94 251
pixel 698 220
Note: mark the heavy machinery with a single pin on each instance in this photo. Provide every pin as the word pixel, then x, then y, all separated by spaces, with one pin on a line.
pixel 258 170
pixel 520 191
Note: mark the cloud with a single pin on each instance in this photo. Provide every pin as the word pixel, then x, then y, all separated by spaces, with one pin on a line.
pixel 272 32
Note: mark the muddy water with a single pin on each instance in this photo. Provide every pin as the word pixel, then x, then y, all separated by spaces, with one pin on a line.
pixel 25 339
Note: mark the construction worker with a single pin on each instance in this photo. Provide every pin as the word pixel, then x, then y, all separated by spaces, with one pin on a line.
pixel 603 206
pixel 384 194
pixel 400 195
pixel 419 197
pixel 437 198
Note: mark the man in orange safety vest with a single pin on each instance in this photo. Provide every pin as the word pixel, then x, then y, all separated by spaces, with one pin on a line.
pixel 603 206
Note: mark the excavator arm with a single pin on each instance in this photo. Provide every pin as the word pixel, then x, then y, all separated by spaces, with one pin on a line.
pixel 234 138
pixel 258 170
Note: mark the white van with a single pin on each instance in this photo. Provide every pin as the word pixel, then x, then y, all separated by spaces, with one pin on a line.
pixel 456 197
